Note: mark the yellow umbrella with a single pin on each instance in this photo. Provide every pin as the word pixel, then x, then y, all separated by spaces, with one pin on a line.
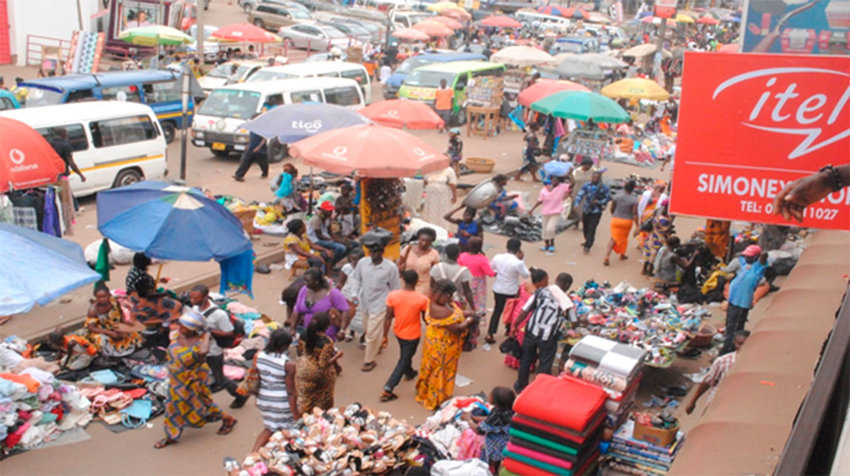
pixel 440 6
pixel 682 18
pixel 636 88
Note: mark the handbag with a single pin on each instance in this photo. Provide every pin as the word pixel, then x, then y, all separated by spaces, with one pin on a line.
pixel 511 347
pixel 251 384
pixel 646 226
pixel 137 414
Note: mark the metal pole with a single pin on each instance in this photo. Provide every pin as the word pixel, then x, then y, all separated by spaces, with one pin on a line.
pixel 659 53
pixel 200 33
pixel 184 130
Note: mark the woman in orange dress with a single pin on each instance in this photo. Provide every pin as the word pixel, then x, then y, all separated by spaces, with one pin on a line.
pixel 446 326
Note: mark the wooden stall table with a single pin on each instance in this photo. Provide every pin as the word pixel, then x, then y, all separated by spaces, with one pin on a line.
pixel 481 121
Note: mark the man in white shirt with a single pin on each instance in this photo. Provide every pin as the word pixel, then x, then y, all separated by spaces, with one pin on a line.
pixel 374 277
pixel 219 325
pixel 460 275
pixel 510 269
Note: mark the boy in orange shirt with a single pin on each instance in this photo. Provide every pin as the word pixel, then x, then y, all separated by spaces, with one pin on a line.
pixel 407 306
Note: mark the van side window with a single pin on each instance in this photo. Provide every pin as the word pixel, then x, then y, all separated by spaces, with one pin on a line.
pixel 122 93
pixel 306 96
pixel 344 96
pixel 124 130
pixel 462 79
pixel 81 95
pixel 357 75
pixel 331 74
pixel 76 135
pixel 162 91
pixel 496 73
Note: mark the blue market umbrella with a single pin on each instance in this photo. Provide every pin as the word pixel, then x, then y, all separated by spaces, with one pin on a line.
pixel 36 268
pixel 292 122
pixel 170 222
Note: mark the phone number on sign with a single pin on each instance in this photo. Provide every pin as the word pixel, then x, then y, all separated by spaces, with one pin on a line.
pixel 813 211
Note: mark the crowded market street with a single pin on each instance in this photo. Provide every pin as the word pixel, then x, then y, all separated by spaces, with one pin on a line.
pixel 583 329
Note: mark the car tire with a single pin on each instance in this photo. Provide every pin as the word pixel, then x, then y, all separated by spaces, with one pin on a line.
pixel 276 151
pixel 247 8
pixel 221 154
pixel 169 131
pixel 127 177
pixel 259 23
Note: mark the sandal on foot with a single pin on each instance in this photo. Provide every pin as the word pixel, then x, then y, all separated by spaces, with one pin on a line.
pixel 368 367
pixel 164 442
pixel 606 262
pixel 388 396
pixel 490 340
pixel 624 257
pixel 227 426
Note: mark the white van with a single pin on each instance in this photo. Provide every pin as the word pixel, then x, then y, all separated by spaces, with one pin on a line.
pixel 544 21
pixel 115 143
pixel 321 69
pixel 218 122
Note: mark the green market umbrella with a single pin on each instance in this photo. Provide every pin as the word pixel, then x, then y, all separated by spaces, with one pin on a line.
pixel 155 35
pixel 581 105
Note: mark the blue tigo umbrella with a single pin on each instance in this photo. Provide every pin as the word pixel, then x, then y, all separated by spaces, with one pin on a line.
pixel 37 268
pixel 170 222
pixel 293 122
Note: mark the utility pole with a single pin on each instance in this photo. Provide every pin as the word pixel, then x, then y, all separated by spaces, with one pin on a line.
pixel 185 78
pixel 199 32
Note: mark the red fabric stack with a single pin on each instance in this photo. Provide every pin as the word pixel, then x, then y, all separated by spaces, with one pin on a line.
pixel 556 427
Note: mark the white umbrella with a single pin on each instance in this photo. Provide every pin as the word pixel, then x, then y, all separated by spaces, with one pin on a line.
pixel 522 56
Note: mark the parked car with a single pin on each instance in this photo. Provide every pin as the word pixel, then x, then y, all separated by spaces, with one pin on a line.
pixel 220 75
pixel 315 37
pixel 375 30
pixel 351 30
pixel 575 44
pixel 248 5
pixel 211 48
pixel 272 16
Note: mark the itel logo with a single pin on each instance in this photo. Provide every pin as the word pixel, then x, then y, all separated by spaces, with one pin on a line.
pixel 797 101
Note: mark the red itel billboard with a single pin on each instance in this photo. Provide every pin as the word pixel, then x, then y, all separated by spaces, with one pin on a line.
pixel 750 124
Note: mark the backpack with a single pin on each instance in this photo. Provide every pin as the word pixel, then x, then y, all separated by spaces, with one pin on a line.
pixel 238 329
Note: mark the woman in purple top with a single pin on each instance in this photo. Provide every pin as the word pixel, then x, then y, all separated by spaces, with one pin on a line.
pixel 318 296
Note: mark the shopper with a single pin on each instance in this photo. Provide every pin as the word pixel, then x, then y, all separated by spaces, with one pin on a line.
pixel 276 394
pixel 510 269
pixel 420 256
pixel 623 215
pixel 551 198
pixel 592 199
pixel 495 427
pixel 189 401
pixel 542 331
pixel 749 269
pixel 317 367
pixel 407 307
pixel 443 103
pixel 375 277
pixel 479 267
pixel 255 151
pixel 219 326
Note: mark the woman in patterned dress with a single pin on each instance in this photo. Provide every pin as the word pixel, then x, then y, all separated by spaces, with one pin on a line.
pixel 511 315
pixel 661 225
pixel 102 323
pixel 317 368
pixel 189 401
pixel 446 326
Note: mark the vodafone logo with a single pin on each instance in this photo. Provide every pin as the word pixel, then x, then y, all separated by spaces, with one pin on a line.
pixel 422 155
pixel 812 104
pixel 338 153
pixel 392 113
pixel 17 156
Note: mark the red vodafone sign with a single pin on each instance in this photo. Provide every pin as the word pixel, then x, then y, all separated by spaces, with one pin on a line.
pixel 751 123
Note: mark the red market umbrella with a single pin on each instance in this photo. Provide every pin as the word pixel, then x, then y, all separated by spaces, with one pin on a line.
pixel 501 21
pixel 449 22
pixel 708 20
pixel 403 113
pixel 369 150
pixel 574 12
pixel 547 87
pixel 244 33
pixel 432 28
pixel 27 160
pixel 409 34
pixel 457 14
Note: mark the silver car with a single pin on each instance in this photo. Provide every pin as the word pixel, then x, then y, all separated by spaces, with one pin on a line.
pixel 351 30
pixel 315 37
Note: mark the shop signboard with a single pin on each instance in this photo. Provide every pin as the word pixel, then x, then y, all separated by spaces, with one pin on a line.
pixel 750 124
pixel 797 27
pixel 665 8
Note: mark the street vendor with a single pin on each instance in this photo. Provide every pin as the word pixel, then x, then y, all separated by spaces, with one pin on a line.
pixel 749 269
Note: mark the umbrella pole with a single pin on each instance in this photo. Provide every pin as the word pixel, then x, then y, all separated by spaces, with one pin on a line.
pixel 310 197
pixel 159 272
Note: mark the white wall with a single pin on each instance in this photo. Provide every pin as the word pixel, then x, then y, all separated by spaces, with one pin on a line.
pixel 50 18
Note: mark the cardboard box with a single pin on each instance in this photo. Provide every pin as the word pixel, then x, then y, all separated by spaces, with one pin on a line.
pixel 656 436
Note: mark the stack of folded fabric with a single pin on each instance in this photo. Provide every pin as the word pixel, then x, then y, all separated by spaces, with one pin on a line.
pixel 556 429
pixel 616 368
pixel 630 456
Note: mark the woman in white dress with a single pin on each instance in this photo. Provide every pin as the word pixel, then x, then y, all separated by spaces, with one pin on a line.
pixel 440 195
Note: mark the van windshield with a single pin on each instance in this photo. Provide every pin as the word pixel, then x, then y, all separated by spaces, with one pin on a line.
pixel 231 103
pixel 428 79
pixel 42 97
pixel 262 75
pixel 412 63
pixel 223 71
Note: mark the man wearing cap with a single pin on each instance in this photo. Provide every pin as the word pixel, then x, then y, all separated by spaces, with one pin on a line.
pixel 319 232
pixel 749 268
pixel 374 278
